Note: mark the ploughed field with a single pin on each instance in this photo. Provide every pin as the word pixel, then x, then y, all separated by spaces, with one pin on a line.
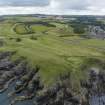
pixel 47 60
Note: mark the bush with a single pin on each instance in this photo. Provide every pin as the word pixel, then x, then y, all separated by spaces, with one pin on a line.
pixel 79 30
pixel 18 39
pixel 33 37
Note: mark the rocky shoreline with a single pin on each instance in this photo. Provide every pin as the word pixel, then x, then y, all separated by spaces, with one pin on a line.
pixel 6 86
pixel 28 84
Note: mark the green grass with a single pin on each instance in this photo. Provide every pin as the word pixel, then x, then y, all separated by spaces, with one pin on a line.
pixel 55 55
pixel 21 29
pixel 26 28
pixel 39 28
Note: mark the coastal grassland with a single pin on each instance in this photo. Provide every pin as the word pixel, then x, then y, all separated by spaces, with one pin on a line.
pixel 39 28
pixel 54 54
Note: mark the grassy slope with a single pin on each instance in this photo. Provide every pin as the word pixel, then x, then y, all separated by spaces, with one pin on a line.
pixel 54 54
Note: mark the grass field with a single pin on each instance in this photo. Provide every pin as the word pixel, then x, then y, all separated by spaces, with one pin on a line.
pixel 54 54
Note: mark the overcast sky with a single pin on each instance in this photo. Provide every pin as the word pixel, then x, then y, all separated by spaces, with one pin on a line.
pixel 68 7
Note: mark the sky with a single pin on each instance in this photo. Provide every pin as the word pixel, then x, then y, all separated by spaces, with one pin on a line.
pixel 60 7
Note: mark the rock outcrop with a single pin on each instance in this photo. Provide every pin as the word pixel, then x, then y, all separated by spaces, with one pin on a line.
pixel 10 70
pixel 59 94
pixel 28 84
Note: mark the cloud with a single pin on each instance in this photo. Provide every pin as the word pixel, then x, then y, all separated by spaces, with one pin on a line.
pixel 69 7
pixel 22 10
pixel 24 2
pixel 78 7
pixel 71 4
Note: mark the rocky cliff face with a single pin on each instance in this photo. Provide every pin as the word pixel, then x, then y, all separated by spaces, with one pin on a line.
pixel 60 93
pixel 27 80
pixel 28 84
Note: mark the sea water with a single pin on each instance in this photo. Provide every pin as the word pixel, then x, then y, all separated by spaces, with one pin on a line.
pixel 5 100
